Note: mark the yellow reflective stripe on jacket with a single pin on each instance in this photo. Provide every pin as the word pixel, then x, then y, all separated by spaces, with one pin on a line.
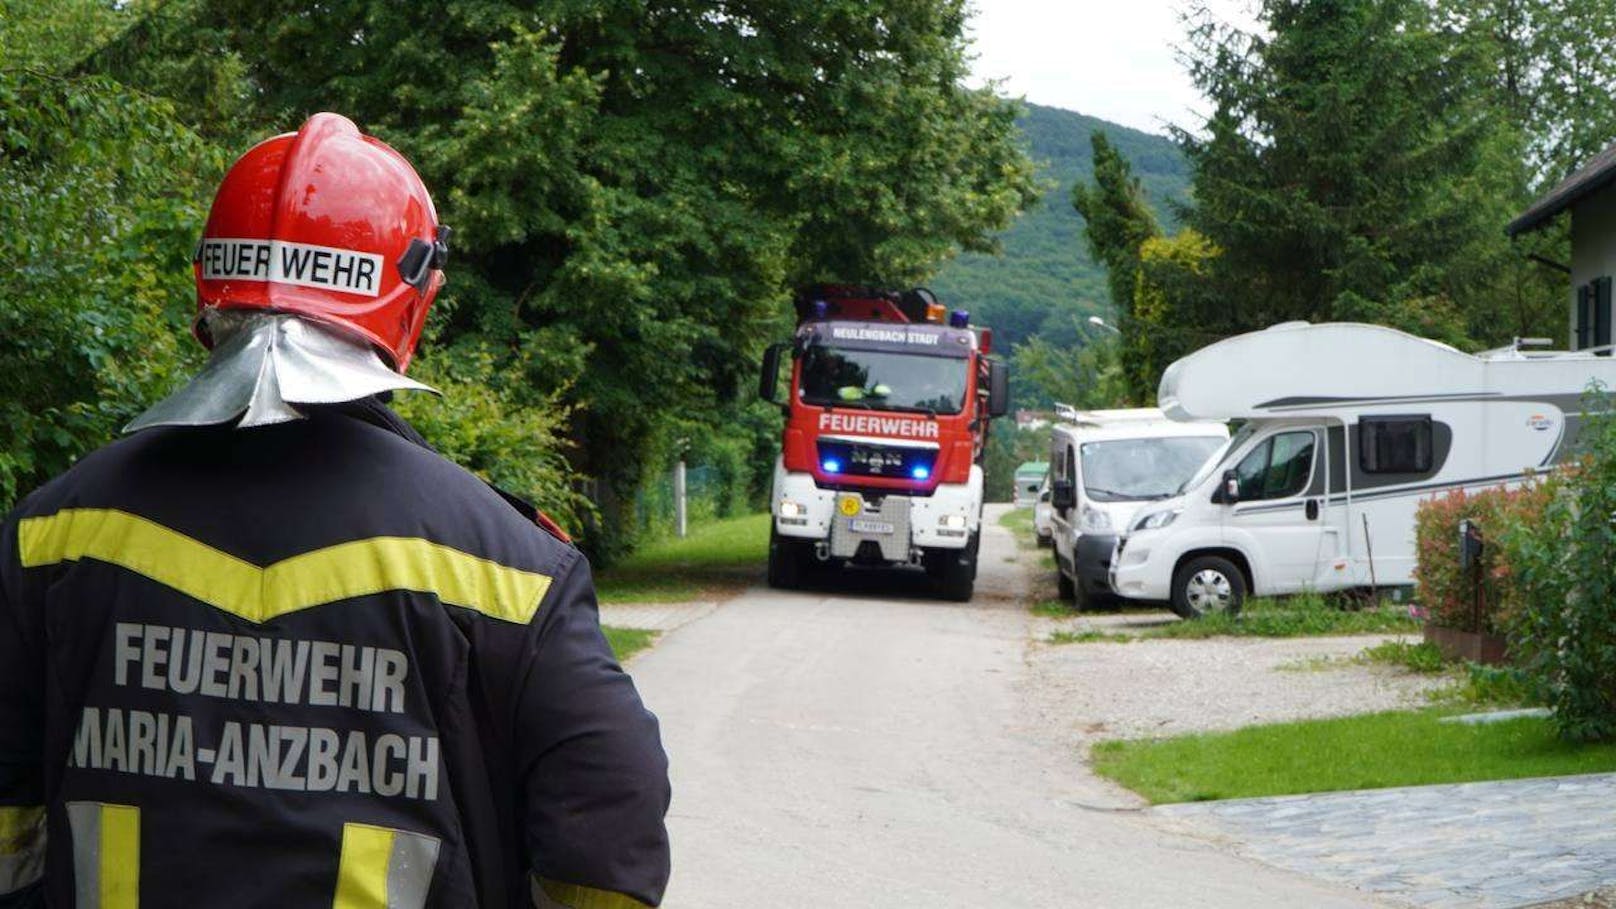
pixel 20 827
pixel 22 847
pixel 577 896
pixel 303 581
pixel 106 855
pixel 383 868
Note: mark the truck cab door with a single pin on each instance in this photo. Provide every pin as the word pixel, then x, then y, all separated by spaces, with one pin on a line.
pixel 1280 509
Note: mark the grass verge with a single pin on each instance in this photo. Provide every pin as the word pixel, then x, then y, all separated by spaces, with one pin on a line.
pixel 1291 617
pixel 1362 752
pixel 628 641
pixel 1019 522
pixel 718 557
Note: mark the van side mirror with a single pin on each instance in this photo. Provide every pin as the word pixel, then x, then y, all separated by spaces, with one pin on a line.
pixel 1062 495
pixel 998 388
pixel 1229 492
pixel 769 381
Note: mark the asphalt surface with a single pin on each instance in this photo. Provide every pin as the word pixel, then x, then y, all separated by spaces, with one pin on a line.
pixel 865 745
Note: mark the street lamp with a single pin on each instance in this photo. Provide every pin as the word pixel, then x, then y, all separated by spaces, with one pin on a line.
pixel 1098 322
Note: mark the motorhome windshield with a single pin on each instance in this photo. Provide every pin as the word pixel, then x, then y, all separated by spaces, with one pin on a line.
pixel 1214 462
pixel 1131 470
pixel 881 380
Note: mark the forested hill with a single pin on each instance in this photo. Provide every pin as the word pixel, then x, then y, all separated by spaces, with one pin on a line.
pixel 1045 281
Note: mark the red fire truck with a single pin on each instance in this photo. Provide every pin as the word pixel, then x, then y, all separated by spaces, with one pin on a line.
pixel 886 424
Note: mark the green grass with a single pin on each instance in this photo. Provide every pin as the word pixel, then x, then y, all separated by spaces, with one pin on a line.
pixel 1362 752
pixel 1019 522
pixel 1290 617
pixel 1423 657
pixel 717 558
pixel 628 641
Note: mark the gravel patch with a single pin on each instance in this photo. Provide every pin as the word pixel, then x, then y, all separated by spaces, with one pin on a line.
pixel 1157 688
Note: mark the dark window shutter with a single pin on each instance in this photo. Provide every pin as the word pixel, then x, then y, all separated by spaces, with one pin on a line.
pixel 1584 312
pixel 1601 296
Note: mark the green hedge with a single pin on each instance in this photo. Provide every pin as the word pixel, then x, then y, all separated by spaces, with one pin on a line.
pixel 1547 576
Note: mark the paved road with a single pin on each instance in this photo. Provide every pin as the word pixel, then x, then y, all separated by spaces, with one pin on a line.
pixel 1480 845
pixel 870 749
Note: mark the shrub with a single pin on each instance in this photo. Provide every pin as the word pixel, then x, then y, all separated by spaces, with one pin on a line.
pixel 1487 597
pixel 1565 573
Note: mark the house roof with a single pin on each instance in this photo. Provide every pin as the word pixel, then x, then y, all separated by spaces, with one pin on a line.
pixel 1594 176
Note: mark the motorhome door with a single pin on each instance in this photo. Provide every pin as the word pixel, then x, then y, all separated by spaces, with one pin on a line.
pixel 1279 516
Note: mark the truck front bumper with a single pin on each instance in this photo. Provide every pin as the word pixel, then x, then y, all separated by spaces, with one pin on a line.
pixel 1091 555
pixel 1139 573
pixel 946 519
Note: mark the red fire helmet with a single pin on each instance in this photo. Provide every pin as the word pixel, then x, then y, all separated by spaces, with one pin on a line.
pixel 330 224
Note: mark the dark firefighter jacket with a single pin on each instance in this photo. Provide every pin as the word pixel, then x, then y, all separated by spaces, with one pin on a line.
pixel 312 664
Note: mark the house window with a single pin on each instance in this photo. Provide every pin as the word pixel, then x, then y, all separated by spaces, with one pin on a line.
pixel 1394 444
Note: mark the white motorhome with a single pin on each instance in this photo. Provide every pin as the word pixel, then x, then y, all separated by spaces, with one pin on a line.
pixel 1347 427
pixel 1104 465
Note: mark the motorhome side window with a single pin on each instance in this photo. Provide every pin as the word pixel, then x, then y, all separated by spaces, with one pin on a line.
pixel 1278 468
pixel 1394 444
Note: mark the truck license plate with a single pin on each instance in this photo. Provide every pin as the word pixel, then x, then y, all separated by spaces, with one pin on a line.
pixel 865 525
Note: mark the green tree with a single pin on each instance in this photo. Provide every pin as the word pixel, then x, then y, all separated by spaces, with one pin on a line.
pixel 1118 222
pixel 637 185
pixel 1355 152
pixel 1085 376
pixel 101 192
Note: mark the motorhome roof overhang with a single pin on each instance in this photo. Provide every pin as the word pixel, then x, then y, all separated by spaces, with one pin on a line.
pixel 1296 369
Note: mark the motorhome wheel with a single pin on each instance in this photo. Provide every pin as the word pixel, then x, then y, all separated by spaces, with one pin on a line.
pixel 1208 584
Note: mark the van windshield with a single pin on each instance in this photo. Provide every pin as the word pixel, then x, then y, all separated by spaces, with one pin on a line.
pixel 1132 470
pixel 1216 461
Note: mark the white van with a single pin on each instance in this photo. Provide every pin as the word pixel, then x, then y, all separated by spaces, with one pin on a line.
pixel 1347 428
pixel 1104 466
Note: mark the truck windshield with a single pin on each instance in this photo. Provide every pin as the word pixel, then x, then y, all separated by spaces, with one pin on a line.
pixel 1130 470
pixel 881 380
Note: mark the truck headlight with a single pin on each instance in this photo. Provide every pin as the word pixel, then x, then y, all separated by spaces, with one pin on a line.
pixel 1157 519
pixel 1093 520
pixel 952 522
pixel 790 509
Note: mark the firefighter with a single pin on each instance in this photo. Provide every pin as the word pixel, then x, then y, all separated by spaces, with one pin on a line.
pixel 270 650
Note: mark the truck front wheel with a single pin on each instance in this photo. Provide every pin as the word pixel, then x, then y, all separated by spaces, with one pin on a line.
pixel 788 561
pixel 954 570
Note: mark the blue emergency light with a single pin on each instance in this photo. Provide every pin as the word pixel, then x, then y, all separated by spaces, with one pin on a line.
pixel 920 472
pixel 959 318
pixel 831 465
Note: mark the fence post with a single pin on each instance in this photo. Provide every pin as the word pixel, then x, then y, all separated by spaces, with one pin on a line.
pixel 680 510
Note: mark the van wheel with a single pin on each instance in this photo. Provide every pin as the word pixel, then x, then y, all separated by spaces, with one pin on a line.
pixel 1064 586
pixel 786 562
pixel 1208 584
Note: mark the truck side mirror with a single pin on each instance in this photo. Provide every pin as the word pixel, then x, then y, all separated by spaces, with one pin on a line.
pixel 1063 495
pixel 1229 491
pixel 769 381
pixel 998 388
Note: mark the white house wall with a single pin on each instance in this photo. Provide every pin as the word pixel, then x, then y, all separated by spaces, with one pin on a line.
pixel 1593 247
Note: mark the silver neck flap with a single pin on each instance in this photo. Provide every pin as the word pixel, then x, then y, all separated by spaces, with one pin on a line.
pixel 266 364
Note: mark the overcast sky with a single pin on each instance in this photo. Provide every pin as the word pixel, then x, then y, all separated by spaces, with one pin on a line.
pixel 1113 59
